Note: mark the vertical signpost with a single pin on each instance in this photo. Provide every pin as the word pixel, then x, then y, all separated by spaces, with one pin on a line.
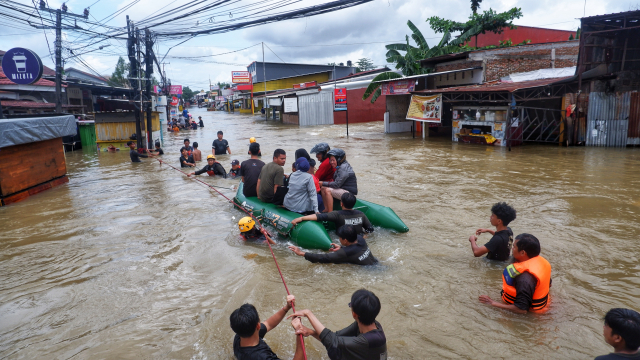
pixel 340 103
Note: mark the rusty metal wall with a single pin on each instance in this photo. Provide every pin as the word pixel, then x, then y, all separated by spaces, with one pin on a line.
pixel 634 120
pixel 608 119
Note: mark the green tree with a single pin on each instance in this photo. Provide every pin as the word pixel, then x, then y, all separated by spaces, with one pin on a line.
pixel 364 64
pixel 223 85
pixel 120 74
pixel 475 5
pixel 187 93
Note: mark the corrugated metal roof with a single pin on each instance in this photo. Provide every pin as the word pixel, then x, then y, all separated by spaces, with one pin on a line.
pixel 33 104
pixel 4 80
pixel 430 74
pixel 494 87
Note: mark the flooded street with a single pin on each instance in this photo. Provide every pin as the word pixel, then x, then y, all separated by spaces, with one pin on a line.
pixel 133 261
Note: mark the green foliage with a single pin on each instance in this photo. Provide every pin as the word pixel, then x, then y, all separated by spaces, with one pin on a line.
pixel 578 34
pixel 475 5
pixel 364 64
pixel 187 93
pixel 120 74
pixel 571 37
pixel 374 87
pixel 489 20
pixel 223 85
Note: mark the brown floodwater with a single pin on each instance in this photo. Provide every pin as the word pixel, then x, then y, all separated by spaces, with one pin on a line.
pixel 132 261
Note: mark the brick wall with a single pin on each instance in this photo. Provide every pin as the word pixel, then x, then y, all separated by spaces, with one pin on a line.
pixel 502 63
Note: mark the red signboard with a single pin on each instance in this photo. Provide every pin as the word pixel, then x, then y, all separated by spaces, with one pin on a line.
pixel 248 87
pixel 398 87
pixel 174 101
pixel 240 77
pixel 340 102
pixel 305 85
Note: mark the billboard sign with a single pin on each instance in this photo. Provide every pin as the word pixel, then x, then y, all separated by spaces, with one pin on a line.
pixel 425 108
pixel 214 87
pixel 305 85
pixel 240 77
pixel 22 66
pixel 290 104
pixel 340 99
pixel 398 87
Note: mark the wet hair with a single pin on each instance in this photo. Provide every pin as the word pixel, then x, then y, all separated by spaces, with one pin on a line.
pixel 366 305
pixel 626 323
pixel 185 140
pixel 347 232
pixel 157 144
pixel 348 200
pixel 302 153
pixel 129 143
pixel 220 132
pixel 183 149
pixel 195 144
pixel 279 152
pixel 254 148
pixel 312 163
pixel 529 243
pixel 504 212
pixel 244 320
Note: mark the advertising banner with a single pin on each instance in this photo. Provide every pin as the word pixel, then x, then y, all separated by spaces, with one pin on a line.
pixel 22 66
pixel 214 87
pixel 175 89
pixel 425 108
pixel 291 105
pixel 174 101
pixel 398 87
pixel 240 77
pixel 305 85
pixel 340 97
pixel 247 87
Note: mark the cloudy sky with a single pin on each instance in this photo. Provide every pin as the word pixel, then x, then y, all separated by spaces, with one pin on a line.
pixel 348 34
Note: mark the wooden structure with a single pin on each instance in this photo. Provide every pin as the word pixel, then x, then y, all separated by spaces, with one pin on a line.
pixel 116 127
pixel 31 163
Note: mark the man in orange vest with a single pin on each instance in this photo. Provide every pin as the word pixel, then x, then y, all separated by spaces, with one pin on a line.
pixel 526 282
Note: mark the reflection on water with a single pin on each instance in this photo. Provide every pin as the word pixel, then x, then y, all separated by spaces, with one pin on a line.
pixel 137 261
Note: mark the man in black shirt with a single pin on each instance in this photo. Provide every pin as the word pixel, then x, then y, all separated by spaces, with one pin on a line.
pixel 250 171
pixel 622 331
pixel 220 146
pixel 354 250
pixel 499 247
pixel 186 160
pixel 362 340
pixel 158 149
pixel 212 168
pixel 346 216
pixel 133 153
pixel 248 343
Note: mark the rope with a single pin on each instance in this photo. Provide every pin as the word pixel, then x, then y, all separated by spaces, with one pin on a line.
pixel 262 230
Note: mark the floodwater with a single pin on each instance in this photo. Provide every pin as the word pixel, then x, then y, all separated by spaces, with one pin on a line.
pixel 132 261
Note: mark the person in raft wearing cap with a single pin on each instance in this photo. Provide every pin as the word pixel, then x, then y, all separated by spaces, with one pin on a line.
pixel 235 169
pixel 212 168
pixel 250 232
pixel 251 141
pixel 134 154
pixel 526 282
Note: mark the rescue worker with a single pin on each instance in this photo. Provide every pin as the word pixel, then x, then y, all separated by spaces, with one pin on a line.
pixel 344 179
pixel 235 169
pixel 251 141
pixel 353 250
pixel 325 171
pixel 250 232
pixel 212 168
pixel 526 282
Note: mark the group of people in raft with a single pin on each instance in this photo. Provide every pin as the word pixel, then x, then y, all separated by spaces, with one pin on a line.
pixel 526 281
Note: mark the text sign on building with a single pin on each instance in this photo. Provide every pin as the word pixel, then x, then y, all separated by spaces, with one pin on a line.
pixel 240 77
pixel 398 87
pixel 22 66
pixel 425 108
pixel 340 102
pixel 305 85
pixel 291 104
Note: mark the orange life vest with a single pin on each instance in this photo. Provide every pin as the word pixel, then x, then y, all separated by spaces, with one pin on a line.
pixel 537 266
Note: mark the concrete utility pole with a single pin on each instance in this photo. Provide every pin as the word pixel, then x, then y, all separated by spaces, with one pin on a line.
pixel 133 73
pixel 139 119
pixel 264 75
pixel 149 70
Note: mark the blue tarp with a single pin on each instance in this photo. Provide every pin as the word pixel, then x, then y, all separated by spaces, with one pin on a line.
pixel 28 130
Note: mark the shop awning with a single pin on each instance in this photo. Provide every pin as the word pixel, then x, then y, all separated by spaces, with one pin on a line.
pixel 431 74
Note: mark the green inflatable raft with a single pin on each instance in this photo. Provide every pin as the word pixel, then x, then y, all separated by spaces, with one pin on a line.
pixel 313 234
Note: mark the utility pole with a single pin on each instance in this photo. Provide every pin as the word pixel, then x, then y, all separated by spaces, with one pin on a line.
pixel 139 117
pixel 58 45
pixel 264 75
pixel 149 70
pixel 133 73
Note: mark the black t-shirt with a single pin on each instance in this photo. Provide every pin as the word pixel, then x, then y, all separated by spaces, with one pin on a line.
pixel 262 351
pixel 188 159
pixel 358 253
pixel 525 285
pixel 250 170
pixel 220 146
pixel 215 169
pixel 617 356
pixel 234 173
pixel 160 152
pixel 500 245
pixel 348 217
pixel 135 156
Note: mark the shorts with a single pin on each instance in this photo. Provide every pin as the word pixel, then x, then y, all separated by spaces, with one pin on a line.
pixel 337 193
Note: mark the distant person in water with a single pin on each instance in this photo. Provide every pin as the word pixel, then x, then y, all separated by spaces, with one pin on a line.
pixel 212 168
pixel 134 154
pixel 201 122
pixel 622 331
pixel 250 232
pixel 353 249
pixel 526 282
pixel 197 154
pixel 187 146
pixel 157 150
pixel 499 247
pixel 220 146
pixel 252 140
pixel 186 160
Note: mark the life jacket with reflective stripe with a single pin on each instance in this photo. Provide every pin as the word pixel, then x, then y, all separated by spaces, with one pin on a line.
pixel 537 266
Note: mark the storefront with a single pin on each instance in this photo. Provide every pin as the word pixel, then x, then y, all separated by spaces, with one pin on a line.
pixel 479 125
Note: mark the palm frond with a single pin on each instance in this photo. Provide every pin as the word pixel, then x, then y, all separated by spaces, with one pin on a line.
pixel 376 95
pixel 418 37
pixel 388 75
